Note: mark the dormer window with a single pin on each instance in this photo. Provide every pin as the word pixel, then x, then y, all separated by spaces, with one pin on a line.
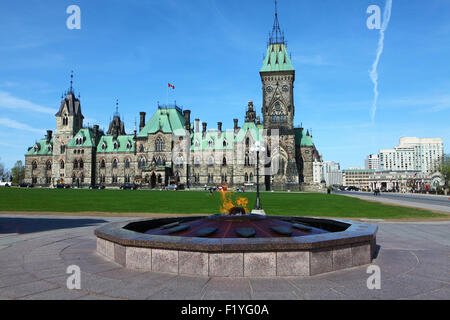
pixel 225 143
pixel 116 145
pixel 128 145
pixel 211 143
pixel 36 148
pixel 103 146
pixel 197 144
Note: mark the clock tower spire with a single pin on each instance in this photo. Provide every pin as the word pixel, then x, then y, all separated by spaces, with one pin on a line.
pixel 277 76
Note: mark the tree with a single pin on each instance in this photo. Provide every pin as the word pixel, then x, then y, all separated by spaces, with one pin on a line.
pixel 2 170
pixel 18 172
pixel 444 169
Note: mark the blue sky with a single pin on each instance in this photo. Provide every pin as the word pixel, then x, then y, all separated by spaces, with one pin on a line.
pixel 212 50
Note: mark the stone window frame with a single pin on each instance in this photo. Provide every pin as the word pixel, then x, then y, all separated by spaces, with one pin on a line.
pixel 159 144
pixel 34 164
pixel 115 163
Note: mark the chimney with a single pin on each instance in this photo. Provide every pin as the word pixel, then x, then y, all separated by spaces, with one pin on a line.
pixel 187 116
pixel 142 123
pixel 205 124
pixel 197 125
pixel 236 124
pixel 49 136
pixel 96 127
pixel 219 126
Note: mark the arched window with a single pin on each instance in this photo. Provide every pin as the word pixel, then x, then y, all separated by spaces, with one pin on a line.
pixel 48 165
pixel 61 164
pixel 251 177
pixel 116 145
pixel 141 148
pixel 197 162
pixel 34 165
pixel 274 117
pixel 127 163
pixel 197 144
pixel 225 143
pixel 211 143
pixel 81 164
pixel 224 161
pixel 211 161
pixel 180 161
pixel 142 162
pixel 247 160
pixel 282 117
pixel 159 145
pixel 129 145
pixel 247 142
pixel 115 163
pixel 75 164
pixel 82 178
pixel 103 164
pixel 63 148
pixel 103 146
pixel 246 177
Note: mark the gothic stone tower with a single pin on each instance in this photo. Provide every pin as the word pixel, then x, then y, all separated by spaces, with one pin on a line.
pixel 278 76
pixel 69 120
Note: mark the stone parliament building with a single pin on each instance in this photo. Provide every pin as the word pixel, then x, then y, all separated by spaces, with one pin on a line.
pixel 169 148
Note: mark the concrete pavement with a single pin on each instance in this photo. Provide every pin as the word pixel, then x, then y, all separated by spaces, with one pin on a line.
pixel 413 257
pixel 429 202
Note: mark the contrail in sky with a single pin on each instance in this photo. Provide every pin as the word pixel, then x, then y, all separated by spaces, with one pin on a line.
pixel 374 72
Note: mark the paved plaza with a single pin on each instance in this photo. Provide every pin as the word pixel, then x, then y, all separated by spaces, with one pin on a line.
pixel 35 252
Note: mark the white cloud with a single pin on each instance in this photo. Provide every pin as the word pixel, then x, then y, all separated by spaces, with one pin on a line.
pixel 13 124
pixel 7 101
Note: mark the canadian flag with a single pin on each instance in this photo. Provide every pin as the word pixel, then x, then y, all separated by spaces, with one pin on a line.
pixel 171 86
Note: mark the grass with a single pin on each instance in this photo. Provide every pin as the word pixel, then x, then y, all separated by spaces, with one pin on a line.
pixel 197 202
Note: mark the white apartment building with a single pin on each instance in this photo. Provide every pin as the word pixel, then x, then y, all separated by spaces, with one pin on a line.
pixel 373 162
pixel 318 172
pixel 332 173
pixel 413 154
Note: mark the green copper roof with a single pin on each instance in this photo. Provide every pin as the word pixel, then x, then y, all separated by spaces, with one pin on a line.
pixel 301 139
pixel 277 59
pixel 165 120
pixel 41 148
pixel 255 131
pixel 85 136
pixel 106 144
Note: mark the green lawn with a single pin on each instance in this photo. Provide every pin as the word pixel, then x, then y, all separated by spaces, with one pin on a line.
pixel 184 202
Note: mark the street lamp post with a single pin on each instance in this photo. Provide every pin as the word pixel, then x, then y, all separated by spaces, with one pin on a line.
pixel 258 208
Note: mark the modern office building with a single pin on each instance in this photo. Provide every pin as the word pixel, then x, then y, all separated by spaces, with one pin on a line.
pixel 413 154
pixel 373 162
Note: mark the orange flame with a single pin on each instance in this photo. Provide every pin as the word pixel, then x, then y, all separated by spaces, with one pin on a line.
pixel 228 203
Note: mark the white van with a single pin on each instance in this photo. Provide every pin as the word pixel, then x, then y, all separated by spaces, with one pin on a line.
pixel 5 184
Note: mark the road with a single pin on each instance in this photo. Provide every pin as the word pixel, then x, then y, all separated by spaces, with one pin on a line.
pixel 429 202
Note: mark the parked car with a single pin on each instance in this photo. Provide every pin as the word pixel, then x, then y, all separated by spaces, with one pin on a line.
pixel 128 186
pixel 26 185
pixel 172 187
pixel 5 184
pixel 97 186
pixel 63 186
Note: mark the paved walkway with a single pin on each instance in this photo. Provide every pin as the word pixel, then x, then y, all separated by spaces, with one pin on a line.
pixel 413 257
pixel 428 202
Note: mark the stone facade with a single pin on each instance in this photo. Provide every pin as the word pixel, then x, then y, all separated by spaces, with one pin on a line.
pixel 169 149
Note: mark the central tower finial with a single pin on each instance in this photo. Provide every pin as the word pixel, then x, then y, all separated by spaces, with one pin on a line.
pixel 277 37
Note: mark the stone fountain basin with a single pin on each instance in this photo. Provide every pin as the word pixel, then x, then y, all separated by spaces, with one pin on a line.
pixel 347 244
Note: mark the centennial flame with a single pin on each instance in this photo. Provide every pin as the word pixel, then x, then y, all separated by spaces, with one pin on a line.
pixel 228 202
